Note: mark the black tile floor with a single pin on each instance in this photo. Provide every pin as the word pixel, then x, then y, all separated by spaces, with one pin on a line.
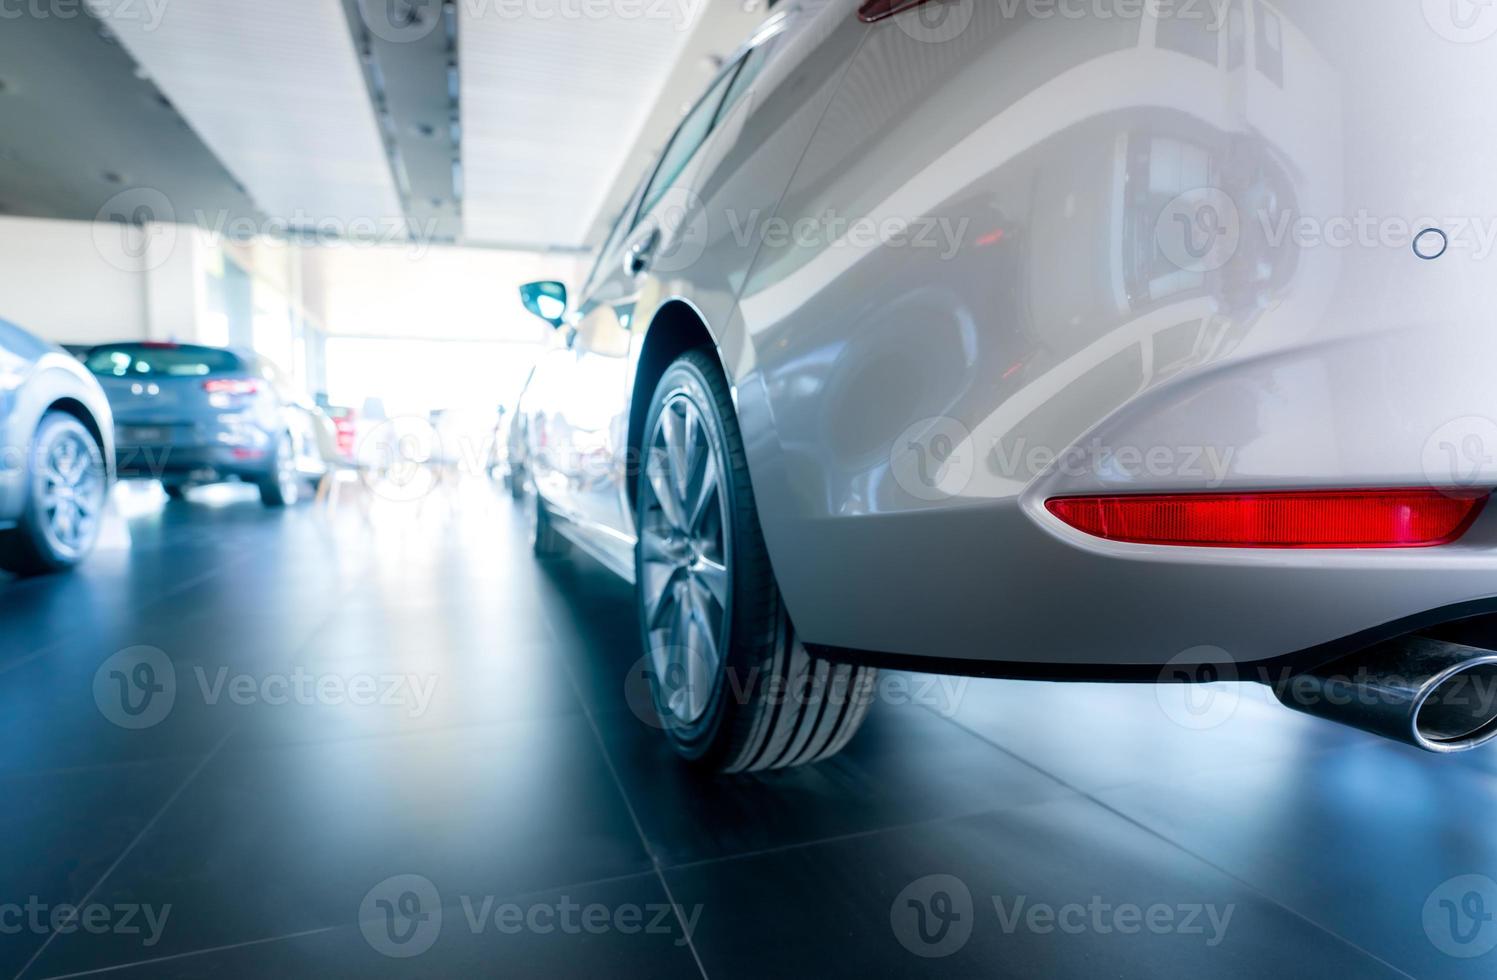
pixel 506 810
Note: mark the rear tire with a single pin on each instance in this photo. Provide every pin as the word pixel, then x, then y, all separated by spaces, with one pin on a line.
pixel 282 486
pixel 735 689
pixel 66 487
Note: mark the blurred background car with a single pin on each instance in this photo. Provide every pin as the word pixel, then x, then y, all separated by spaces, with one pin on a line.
pixel 190 414
pixel 56 447
pixel 346 426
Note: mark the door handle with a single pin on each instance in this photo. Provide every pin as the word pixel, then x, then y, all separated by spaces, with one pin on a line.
pixel 640 254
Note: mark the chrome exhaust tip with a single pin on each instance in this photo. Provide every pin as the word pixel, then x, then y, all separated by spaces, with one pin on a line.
pixel 1438 696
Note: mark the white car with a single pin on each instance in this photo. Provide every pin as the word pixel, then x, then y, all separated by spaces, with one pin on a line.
pixel 56 456
pixel 983 338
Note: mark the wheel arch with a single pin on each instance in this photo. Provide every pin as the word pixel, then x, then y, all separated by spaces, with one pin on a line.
pixel 676 328
pixel 72 406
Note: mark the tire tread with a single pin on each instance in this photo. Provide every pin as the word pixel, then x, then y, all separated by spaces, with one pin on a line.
pixel 802 709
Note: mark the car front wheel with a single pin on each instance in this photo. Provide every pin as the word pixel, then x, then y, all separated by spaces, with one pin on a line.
pixel 65 500
pixel 734 688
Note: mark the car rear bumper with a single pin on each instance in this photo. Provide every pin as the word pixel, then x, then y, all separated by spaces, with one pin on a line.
pixel 970 567
pixel 1073 606
pixel 204 464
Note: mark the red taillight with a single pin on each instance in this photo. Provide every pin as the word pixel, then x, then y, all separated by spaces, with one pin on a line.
pixel 877 10
pixel 1308 519
pixel 231 386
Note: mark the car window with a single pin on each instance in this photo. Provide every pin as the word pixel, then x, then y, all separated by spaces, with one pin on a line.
pixel 753 66
pixel 162 360
pixel 690 136
pixel 621 227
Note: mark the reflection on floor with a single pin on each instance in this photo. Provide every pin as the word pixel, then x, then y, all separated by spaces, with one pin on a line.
pixel 309 743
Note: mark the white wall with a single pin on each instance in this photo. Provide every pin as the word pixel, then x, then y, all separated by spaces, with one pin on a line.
pixel 57 282
pixel 429 292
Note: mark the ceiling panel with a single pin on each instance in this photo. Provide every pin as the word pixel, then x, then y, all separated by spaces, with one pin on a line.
pixel 275 89
pixel 551 108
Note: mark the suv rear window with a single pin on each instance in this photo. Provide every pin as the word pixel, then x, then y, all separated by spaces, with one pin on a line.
pixel 166 360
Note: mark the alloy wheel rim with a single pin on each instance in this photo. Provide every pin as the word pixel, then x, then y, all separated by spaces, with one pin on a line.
pixel 685 550
pixel 71 492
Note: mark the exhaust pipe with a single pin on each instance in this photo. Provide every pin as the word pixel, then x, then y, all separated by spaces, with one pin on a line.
pixel 1439 696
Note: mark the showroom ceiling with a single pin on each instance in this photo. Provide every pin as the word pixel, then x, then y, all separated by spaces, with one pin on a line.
pixel 550 109
pixel 465 122
pixel 276 92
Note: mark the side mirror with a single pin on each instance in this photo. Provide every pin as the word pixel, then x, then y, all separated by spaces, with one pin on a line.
pixel 547 300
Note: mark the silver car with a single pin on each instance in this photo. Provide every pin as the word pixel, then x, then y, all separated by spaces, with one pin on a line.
pixel 56 455
pixel 1027 341
pixel 190 414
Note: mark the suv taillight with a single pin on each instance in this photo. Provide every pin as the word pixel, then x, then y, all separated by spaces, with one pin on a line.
pixel 1420 518
pixel 231 386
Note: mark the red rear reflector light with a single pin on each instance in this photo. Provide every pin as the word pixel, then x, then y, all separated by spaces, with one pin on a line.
pixel 231 386
pixel 1309 519
pixel 877 10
